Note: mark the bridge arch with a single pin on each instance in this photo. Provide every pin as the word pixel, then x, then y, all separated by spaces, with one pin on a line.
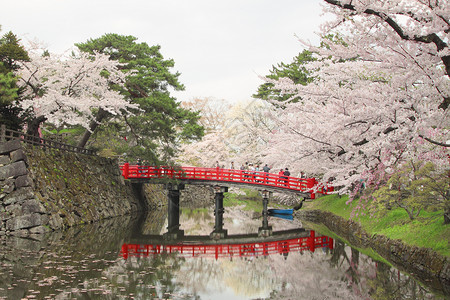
pixel 305 187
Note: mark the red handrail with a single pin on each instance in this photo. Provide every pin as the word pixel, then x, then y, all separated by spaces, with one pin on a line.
pixel 230 250
pixel 308 185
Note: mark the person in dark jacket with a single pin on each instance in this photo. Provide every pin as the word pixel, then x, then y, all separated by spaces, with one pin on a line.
pixel 286 174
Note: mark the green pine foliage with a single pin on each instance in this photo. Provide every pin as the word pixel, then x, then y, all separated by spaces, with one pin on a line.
pixel 11 52
pixel 156 130
pixel 295 71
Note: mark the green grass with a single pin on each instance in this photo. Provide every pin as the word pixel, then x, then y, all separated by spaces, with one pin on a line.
pixel 194 211
pixel 251 201
pixel 428 230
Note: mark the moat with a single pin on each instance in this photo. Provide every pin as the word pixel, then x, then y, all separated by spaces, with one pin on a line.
pixel 88 262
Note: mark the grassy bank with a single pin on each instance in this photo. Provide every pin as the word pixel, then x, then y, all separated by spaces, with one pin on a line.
pixel 250 200
pixel 427 231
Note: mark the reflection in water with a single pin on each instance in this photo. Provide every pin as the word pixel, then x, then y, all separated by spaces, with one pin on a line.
pixel 85 263
pixel 250 246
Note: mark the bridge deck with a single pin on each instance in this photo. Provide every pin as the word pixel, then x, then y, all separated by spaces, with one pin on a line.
pixel 307 187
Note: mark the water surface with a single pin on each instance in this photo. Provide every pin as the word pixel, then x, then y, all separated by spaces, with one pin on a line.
pixel 87 262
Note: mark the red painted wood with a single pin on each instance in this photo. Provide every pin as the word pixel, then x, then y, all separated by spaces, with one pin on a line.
pixel 225 175
pixel 229 250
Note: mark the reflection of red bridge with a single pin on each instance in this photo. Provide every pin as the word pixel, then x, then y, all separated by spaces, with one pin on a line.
pixel 262 180
pixel 261 248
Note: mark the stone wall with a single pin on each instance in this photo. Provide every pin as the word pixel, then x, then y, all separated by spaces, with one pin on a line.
pixel 197 196
pixel 422 262
pixel 44 190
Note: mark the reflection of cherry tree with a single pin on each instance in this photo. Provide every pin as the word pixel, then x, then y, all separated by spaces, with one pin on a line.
pixel 250 276
pixel 390 281
pixel 310 277
pixel 245 277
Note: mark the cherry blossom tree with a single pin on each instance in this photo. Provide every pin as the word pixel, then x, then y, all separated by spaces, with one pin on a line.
pixel 240 136
pixel 68 90
pixel 380 96
pixel 213 111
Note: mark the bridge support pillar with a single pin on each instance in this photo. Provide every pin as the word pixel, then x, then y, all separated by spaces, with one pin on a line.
pixel 219 232
pixel 265 230
pixel 173 229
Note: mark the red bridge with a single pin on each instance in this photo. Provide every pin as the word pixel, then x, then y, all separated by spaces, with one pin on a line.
pixel 218 176
pixel 260 248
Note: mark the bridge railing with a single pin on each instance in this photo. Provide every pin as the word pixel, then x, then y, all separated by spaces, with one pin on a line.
pixel 229 250
pixel 309 185
pixel 8 134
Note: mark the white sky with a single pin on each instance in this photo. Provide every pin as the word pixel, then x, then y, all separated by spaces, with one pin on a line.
pixel 219 47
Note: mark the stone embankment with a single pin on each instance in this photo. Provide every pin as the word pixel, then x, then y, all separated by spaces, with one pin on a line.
pixel 422 262
pixel 45 190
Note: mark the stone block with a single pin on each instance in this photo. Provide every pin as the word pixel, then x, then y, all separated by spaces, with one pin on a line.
pixel 15 169
pixel 24 222
pixel 4 160
pixel 32 206
pixel 17 155
pixel 55 221
pixel 14 209
pixel 7 186
pixel 4 216
pixel 39 230
pixel 10 146
pixel 23 233
pixel 23 181
pixel 18 196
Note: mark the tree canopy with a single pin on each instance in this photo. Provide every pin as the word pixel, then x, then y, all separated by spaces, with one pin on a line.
pixel 68 90
pixel 379 94
pixel 157 127
pixel 12 53
pixel 294 71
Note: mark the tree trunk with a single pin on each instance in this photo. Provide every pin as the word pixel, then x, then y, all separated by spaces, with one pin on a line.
pixel 94 124
pixel 33 127
pixel 447 217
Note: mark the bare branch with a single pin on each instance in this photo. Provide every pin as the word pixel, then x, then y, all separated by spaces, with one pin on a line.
pixel 434 142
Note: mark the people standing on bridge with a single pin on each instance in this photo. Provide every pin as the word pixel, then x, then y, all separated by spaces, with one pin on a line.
pixel 246 167
pixel 242 168
pixel 280 175
pixel 256 172
pixel 266 169
pixel 232 165
pixel 252 172
pixel 301 181
pixel 286 174
pixel 139 164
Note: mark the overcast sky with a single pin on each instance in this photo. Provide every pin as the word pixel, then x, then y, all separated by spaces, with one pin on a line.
pixel 219 47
